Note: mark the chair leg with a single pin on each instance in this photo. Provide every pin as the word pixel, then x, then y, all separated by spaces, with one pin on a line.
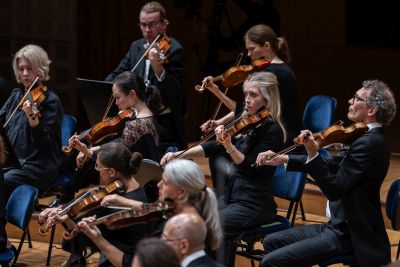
pixel 289 212
pixel 29 237
pixel 53 230
pixel 21 242
pixel 296 206
pixel 303 214
pixel 398 251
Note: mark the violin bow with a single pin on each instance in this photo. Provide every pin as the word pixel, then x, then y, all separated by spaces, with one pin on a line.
pixel 146 52
pixel 238 60
pixel 20 102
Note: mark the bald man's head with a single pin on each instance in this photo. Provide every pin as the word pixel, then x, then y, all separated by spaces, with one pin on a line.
pixel 186 233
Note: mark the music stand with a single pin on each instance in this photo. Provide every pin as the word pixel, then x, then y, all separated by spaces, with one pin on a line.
pixel 95 96
pixel 11 158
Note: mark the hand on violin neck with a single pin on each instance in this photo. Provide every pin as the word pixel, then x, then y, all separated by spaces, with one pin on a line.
pixel 156 61
pixel 208 83
pixel 223 137
pixel 309 141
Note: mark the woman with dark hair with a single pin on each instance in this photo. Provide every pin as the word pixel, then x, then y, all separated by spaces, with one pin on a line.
pixel 114 161
pixel 154 252
pixel 140 134
pixel 262 42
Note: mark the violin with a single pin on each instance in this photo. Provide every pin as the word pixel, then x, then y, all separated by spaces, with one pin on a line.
pixel 163 46
pixel 38 94
pixel 237 126
pixel 35 94
pixel 126 218
pixel 244 123
pixel 104 129
pixel 236 75
pixel 85 202
pixel 334 134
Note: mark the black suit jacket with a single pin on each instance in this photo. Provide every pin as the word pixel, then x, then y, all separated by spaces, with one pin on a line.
pixel 204 261
pixel 172 87
pixel 352 182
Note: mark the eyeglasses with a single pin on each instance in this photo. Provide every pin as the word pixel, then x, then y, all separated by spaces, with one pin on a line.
pixel 98 168
pixel 356 97
pixel 151 25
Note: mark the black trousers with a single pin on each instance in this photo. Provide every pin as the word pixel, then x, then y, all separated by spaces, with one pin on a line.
pixel 305 246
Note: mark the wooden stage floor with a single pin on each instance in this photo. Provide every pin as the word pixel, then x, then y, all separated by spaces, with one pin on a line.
pixel 36 256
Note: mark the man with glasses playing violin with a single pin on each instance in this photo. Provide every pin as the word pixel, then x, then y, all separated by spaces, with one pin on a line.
pixel 163 69
pixel 351 181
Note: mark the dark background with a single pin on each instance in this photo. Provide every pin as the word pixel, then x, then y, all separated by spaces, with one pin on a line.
pixel 335 45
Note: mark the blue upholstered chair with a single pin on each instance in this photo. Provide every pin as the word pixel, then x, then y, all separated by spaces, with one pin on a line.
pixel 319 112
pixel 68 126
pixel 19 210
pixel 285 185
pixel 6 256
pixel 393 208
pixel 289 185
pixel 63 179
pixel 392 211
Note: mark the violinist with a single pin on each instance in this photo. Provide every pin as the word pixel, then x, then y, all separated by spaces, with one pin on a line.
pixel 247 200
pixel 262 42
pixel 139 135
pixel 169 76
pixel 34 129
pixel 351 181
pixel 183 183
pixel 114 161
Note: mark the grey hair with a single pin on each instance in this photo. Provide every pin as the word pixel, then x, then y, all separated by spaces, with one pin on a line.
pixel 267 83
pixel 187 174
pixel 381 96
pixel 37 58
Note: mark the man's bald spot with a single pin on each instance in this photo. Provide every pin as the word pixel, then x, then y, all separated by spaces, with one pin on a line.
pixel 188 226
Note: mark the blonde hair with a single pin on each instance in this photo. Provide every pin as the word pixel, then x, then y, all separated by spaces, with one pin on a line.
pixel 37 58
pixel 267 83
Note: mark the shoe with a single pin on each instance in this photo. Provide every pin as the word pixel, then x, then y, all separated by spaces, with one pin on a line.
pixel 75 261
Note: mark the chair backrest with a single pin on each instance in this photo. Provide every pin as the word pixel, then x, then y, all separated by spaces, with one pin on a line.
pixel 68 126
pixel 149 170
pixel 287 184
pixel 319 113
pixel 393 205
pixel 20 205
